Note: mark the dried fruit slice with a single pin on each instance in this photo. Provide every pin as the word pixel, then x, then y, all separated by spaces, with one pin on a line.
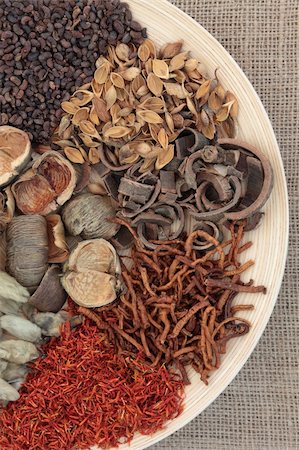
pixel 15 151
pixel 49 183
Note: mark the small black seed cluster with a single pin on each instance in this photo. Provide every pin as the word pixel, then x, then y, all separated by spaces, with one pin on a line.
pixel 47 49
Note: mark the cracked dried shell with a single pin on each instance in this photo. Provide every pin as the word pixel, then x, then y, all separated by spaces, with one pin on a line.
pixel 47 185
pixel 92 274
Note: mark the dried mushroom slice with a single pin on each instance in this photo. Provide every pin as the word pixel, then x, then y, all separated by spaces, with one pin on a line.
pixel 47 185
pixel 11 293
pixel 15 152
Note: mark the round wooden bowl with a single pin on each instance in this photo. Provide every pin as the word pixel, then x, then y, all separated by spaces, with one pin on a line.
pixel 166 23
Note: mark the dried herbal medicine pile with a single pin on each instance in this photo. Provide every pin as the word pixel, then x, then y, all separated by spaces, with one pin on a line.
pixel 49 47
pixel 139 100
pixel 96 398
pixel 144 152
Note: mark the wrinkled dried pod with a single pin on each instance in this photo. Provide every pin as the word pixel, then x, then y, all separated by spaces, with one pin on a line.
pixel 50 323
pixel 7 392
pixel 11 290
pixel 47 185
pixel 3 367
pixel 15 150
pixel 27 250
pixel 58 250
pixel 20 328
pixel 88 215
pixel 92 274
pixel 14 371
pixel 19 352
pixel 50 295
pixel 10 307
pixel 2 250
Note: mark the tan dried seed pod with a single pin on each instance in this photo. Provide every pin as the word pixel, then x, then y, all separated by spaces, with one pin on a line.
pixel 74 155
pixel 69 107
pixel 149 116
pixel 161 69
pixel 172 49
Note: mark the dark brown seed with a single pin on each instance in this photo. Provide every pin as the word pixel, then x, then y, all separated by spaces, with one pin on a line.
pixel 48 48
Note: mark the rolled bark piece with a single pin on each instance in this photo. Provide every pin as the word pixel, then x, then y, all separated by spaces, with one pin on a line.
pixel 267 185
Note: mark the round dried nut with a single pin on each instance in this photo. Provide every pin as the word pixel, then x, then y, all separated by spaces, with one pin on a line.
pixel 92 274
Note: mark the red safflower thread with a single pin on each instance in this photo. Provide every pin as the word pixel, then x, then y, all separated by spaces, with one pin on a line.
pixel 82 394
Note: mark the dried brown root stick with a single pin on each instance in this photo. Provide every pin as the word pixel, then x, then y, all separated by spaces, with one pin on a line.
pixel 199 233
pixel 165 320
pixel 127 337
pixel 237 308
pixel 94 317
pixel 211 282
pixel 144 277
pixel 180 325
pixel 228 320
pixel 241 269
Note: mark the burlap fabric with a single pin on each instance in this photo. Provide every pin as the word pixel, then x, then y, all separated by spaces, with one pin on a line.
pixel 259 410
